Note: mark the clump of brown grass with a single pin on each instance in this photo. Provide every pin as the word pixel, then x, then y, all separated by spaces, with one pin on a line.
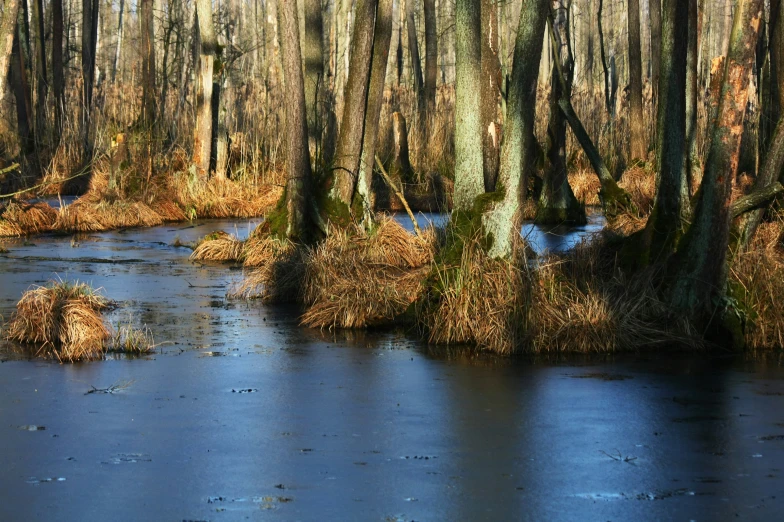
pixel 583 303
pixel 355 278
pixel 218 246
pixel 132 341
pixel 481 301
pixel 63 319
pixel 640 183
pixel 22 219
pixel 585 185
pixel 757 281
pixel 222 198
pixel 89 214
pixel 277 272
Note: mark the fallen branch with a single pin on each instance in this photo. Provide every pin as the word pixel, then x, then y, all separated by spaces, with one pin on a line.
pixel 400 196
pixel 757 199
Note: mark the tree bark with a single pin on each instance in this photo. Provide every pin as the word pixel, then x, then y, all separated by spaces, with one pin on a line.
pixel 701 273
pixel 665 224
pixel 692 162
pixel 501 220
pixel 89 41
pixel 313 55
pixel 58 78
pixel 116 61
pixel 655 12
pixel 378 74
pixel 416 72
pixel 490 91
pixel 557 203
pixel 41 79
pixel 299 177
pixel 147 31
pixel 202 138
pixel 639 149
pixel 21 86
pixel 349 150
pixel 469 179
pixel 7 25
pixel 431 60
pixel 777 59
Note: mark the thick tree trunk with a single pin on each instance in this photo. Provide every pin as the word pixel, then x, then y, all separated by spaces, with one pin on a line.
pixel 299 178
pixel 202 137
pixel 89 41
pixel 400 167
pixel 701 271
pixel 313 55
pixel 665 224
pixel 21 86
pixel 501 219
pixel 639 149
pixel 557 203
pixel 777 60
pixel 491 90
pixel 147 31
pixel 378 74
pixel 7 25
pixel 349 150
pixel 692 163
pixel 41 79
pixel 469 179
pixel 431 59
pixel 58 78
pixel 116 61
pixel 655 13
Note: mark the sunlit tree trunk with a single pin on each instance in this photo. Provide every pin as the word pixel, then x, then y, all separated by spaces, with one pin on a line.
pixel 378 73
pixel 639 149
pixel 58 78
pixel 299 177
pixel 147 31
pixel 116 61
pixel 692 163
pixel 202 137
pixel 501 220
pixel 701 271
pixel 777 59
pixel 469 178
pixel 416 74
pixel 490 92
pixel 7 25
pixel 313 55
pixel 348 153
pixel 41 79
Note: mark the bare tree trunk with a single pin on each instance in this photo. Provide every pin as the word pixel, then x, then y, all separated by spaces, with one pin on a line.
pixel 639 149
pixel 378 73
pixel 349 150
pixel 469 178
pixel 701 273
pixel 299 177
pixel 116 61
pixel 58 78
pixel 501 220
pixel 692 162
pixel 202 138
pixel 491 89
pixel 416 73
pixel 665 225
pixel 24 113
pixel 89 41
pixel 41 80
pixel 557 203
pixel 7 25
pixel 655 13
pixel 314 68
pixel 147 31
pixel 431 60
pixel 777 58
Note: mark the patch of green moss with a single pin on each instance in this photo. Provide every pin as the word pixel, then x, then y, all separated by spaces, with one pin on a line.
pixel 616 200
pixel 276 222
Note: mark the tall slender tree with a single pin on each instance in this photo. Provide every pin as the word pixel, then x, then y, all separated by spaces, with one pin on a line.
pixel 639 150
pixel 7 25
pixel 147 31
pixel 208 46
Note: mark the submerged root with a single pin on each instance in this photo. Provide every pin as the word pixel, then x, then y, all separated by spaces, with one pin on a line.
pixel 63 319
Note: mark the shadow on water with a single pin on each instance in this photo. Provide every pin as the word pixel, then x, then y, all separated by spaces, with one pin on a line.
pixel 245 413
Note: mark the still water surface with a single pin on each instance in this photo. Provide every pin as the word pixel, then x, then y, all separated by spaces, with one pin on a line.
pixel 244 414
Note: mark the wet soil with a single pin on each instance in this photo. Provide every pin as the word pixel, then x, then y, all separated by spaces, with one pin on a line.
pixel 244 414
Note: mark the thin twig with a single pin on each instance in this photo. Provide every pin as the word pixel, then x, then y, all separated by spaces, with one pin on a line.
pixel 400 196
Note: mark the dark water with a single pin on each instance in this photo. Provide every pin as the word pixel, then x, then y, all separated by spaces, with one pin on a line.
pixel 247 415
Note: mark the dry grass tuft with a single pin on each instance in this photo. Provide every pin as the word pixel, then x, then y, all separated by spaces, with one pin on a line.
pixel 640 183
pixel 222 198
pixel 132 341
pixel 22 219
pixel 218 246
pixel 279 271
pixel 355 279
pixel 482 301
pixel 64 319
pixel 585 186
pixel 757 281
pixel 89 215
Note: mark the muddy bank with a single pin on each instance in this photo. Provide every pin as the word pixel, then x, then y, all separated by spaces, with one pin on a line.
pixel 243 413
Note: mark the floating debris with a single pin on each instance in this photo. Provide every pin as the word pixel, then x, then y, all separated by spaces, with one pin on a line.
pixel 32 427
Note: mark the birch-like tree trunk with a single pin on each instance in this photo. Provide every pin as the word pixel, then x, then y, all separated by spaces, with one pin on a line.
pixel 7 25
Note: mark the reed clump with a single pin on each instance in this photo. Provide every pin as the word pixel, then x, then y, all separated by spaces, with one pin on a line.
pixel 277 272
pixel 640 183
pixel 23 219
pixel 218 247
pixel 130 340
pixel 63 320
pixel 585 186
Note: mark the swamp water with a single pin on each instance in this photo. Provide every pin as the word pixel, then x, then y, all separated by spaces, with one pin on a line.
pixel 244 414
